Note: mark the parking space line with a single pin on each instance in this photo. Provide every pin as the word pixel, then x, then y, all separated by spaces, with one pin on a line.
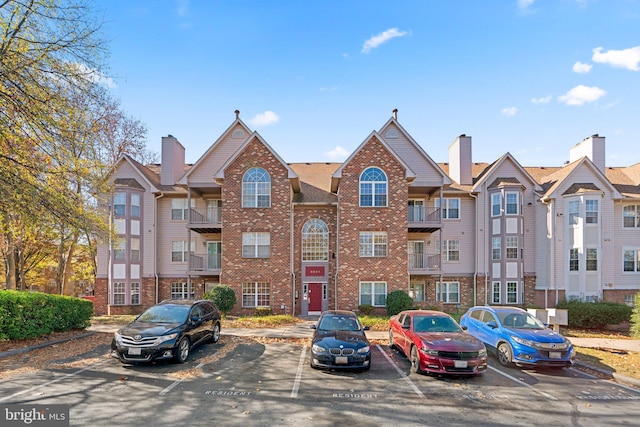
pixel 175 383
pixel 515 380
pixel 51 382
pixel 296 382
pixel 402 374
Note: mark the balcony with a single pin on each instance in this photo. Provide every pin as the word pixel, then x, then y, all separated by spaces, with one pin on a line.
pixel 205 221
pixel 423 219
pixel 424 263
pixel 205 264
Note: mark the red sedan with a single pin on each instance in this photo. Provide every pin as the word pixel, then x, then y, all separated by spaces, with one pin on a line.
pixel 435 343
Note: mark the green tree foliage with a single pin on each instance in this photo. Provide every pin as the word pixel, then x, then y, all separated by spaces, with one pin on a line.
pixel 398 301
pixel 635 317
pixel 223 296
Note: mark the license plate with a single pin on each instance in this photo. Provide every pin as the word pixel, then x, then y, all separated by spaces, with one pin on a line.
pixel 460 363
pixel 134 351
pixel 341 360
pixel 555 355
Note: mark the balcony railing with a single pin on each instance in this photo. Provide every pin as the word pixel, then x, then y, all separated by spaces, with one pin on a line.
pixel 424 262
pixel 205 262
pixel 424 215
pixel 211 215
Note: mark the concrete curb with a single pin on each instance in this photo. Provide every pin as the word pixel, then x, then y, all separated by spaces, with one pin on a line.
pixel 23 350
pixel 609 374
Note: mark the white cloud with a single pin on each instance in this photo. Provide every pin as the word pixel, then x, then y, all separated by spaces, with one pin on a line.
pixel 581 68
pixel 625 58
pixel 96 77
pixel 329 89
pixel 509 112
pixel 182 7
pixel 582 94
pixel 523 5
pixel 264 119
pixel 383 37
pixel 337 153
pixel 543 100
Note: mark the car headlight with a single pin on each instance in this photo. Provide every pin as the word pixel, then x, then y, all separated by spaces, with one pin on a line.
pixel 318 349
pixel 164 338
pixel 482 352
pixel 363 350
pixel 118 338
pixel 522 341
pixel 429 351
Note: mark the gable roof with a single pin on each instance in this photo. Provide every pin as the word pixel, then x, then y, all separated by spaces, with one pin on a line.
pixel 236 123
pixel 315 183
pixel 293 177
pixel 495 167
pixel 337 175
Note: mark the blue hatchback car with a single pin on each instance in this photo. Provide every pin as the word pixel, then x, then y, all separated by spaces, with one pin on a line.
pixel 517 337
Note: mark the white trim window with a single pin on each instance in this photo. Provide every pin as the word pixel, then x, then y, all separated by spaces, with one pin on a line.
pixel 631 216
pixel 120 204
pixel 256 294
pixel 180 290
pixel 592 259
pixel 631 261
pixel 417 291
pixel 120 249
pixel 451 250
pixel 373 293
pixel 373 243
pixel 180 209
pixel 135 249
pixel 512 247
pixel 495 292
pixel 256 245
pixel 135 205
pixel 256 189
pixel 574 212
pixel 135 293
pixel 512 292
pixel 373 188
pixel 450 208
pixel 315 240
pixel 512 203
pixel 448 292
pixel 574 260
pixel 119 293
pixel 591 211
pixel 179 251
pixel 496 204
pixel 496 250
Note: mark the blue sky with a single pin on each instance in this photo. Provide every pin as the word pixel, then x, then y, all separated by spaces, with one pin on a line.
pixel 314 78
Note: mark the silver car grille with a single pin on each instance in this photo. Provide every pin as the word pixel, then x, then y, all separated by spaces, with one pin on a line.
pixel 141 342
pixel 341 351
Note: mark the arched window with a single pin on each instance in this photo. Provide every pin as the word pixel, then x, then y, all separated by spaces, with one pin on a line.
pixel 256 189
pixel 315 240
pixel 373 187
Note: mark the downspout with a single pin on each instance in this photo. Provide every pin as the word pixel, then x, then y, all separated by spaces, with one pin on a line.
pixel 110 264
pixel 486 261
pixel 335 278
pixel 189 243
pixel 475 260
pixel 291 256
pixel 441 237
pixel 155 242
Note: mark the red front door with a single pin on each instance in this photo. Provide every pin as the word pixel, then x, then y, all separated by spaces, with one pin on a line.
pixel 315 296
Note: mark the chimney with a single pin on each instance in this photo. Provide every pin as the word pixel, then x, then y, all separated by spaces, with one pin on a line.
pixel 593 147
pixel 172 160
pixel 395 114
pixel 460 160
pixel 237 114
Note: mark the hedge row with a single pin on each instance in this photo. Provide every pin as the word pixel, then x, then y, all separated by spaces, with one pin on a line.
pixel 635 317
pixel 32 314
pixel 595 315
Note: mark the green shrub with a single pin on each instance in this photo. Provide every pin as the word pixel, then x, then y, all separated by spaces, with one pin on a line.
pixel 595 315
pixel 32 314
pixel 366 309
pixel 223 296
pixel 263 311
pixel 635 317
pixel 398 301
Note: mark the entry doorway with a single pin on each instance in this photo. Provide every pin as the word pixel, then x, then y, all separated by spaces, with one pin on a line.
pixel 315 295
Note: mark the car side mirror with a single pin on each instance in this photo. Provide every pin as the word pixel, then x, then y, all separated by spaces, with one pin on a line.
pixel 312 326
pixel 464 328
pixel 366 328
pixel 407 327
pixel 492 325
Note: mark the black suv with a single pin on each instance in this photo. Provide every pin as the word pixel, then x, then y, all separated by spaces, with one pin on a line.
pixel 168 330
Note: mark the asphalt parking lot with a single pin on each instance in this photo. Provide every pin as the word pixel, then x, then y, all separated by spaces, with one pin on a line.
pixel 245 381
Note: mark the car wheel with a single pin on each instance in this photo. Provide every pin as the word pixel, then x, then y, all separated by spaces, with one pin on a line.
pixel 215 333
pixel 415 360
pixel 182 353
pixel 504 354
pixel 391 343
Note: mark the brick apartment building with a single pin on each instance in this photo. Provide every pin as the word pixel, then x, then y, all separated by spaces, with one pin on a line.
pixel 301 238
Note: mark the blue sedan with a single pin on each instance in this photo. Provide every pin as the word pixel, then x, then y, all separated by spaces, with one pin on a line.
pixel 517 337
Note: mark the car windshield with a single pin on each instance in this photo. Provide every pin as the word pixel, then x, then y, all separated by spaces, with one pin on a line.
pixel 519 320
pixel 339 323
pixel 165 314
pixel 434 324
